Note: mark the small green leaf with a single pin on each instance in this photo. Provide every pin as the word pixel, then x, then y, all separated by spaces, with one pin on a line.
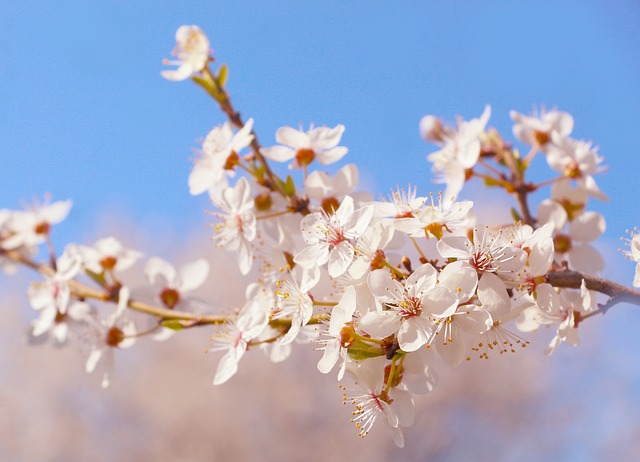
pixel 289 187
pixel 223 73
pixel 516 216
pixel 489 182
pixel 360 350
pixel 173 324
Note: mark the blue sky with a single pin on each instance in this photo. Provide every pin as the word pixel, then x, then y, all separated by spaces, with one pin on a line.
pixel 84 113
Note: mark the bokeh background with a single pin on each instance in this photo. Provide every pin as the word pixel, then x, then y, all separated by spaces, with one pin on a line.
pixel 85 115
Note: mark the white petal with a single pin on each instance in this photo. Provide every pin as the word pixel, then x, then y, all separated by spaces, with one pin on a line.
pixel 587 227
pixel 493 294
pixel 332 155
pixel 292 137
pixel 414 333
pixel 227 366
pixel 329 357
pixel 459 278
pixel 380 324
pixel 160 272
pixel 92 360
pixel 193 275
pixel 586 259
pixel 440 302
pixel 278 153
pixel 452 352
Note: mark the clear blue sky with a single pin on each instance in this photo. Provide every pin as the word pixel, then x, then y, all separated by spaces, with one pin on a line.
pixel 84 113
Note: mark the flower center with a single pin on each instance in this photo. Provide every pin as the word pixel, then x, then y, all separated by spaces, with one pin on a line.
pixel 541 137
pixel 108 263
pixel 114 337
pixel 170 297
pixel 305 156
pixel 330 204
pixel 42 228
pixel 410 306
pixel 562 243
pixel 335 236
pixel 482 261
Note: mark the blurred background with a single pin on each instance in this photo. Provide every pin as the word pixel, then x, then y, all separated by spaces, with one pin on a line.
pixel 85 115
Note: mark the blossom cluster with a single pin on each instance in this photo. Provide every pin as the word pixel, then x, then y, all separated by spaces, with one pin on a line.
pixel 388 289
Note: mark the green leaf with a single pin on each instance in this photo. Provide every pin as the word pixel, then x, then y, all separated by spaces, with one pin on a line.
pixel 173 324
pixel 360 350
pixel 489 182
pixel 289 187
pixel 516 216
pixel 223 73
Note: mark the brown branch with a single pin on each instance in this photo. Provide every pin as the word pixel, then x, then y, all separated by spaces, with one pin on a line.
pixel 221 96
pixel 81 292
pixel 617 292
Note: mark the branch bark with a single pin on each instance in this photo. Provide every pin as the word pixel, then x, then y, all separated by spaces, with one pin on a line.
pixel 617 292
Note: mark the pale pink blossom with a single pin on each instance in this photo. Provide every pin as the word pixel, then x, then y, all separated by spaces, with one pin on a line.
pixel 372 401
pixel 107 335
pixel 294 300
pixel 53 294
pixel 33 225
pixel 408 308
pixel 235 336
pixel 333 345
pixel 539 130
pixel 237 227
pixel 107 254
pixel 218 158
pixel 304 147
pixel 191 52
pixel 330 238
pixel 460 152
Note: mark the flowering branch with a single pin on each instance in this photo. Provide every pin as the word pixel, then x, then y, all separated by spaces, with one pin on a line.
pixel 335 267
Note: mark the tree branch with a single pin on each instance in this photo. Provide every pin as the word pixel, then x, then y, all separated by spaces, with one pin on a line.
pixel 617 292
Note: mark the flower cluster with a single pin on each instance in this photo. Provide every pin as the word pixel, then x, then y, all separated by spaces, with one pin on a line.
pixel 386 289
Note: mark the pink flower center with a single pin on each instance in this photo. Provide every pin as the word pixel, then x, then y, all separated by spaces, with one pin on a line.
pixel 335 236
pixel 410 306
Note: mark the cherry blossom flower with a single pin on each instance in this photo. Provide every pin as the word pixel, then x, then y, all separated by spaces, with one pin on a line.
pixel 434 219
pixel 408 308
pixel 539 130
pixel 293 300
pixel 32 226
pixel 574 244
pixel 372 400
pixel 172 284
pixel 330 237
pixel 218 158
pixel 330 190
pixel 492 256
pixel 564 308
pixel 460 152
pixel 401 204
pixel 53 294
pixel 235 336
pixel 238 226
pixel 577 160
pixel 337 339
pixel 107 254
pixel 305 147
pixel 107 335
pixel 462 280
pixel 57 324
pixel 372 247
pixel 539 247
pixel 192 53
